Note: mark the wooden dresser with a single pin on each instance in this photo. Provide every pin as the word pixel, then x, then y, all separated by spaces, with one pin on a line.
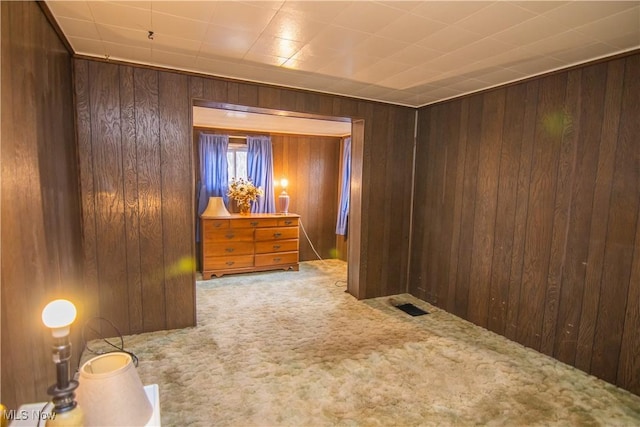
pixel 244 243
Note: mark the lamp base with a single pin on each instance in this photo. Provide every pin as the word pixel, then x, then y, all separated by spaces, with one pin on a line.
pixel 72 418
pixel 283 203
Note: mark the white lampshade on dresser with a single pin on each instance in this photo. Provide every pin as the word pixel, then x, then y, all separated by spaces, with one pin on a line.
pixel 215 208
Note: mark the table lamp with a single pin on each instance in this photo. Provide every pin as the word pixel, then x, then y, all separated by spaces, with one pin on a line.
pixel 215 208
pixel 58 315
pixel 111 392
pixel 283 198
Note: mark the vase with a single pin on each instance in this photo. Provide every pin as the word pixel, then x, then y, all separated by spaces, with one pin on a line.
pixel 245 208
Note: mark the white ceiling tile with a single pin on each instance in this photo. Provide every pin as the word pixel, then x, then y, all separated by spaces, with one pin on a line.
pixel 347 65
pixel 415 54
pixel 380 70
pixel 128 53
pixel 119 15
pixel 124 36
pixel 79 28
pixel 409 78
pixel 582 53
pixel 323 11
pixel 614 26
pixel 484 48
pixel 625 41
pixel 495 18
pixel 496 75
pixel 379 47
pixel 220 41
pixel 377 16
pixel 178 27
pixel 410 28
pixel 262 58
pixel 293 27
pixel 266 4
pixel 70 9
pixel 467 85
pixel 338 39
pixel 559 42
pixel 195 10
pixel 539 6
pixel 449 39
pixel 242 16
pixel 529 31
pixel 172 59
pixel 449 11
pixel 87 46
pixel 275 46
pixel 536 65
pixel 175 44
pixel 575 14
pixel 310 58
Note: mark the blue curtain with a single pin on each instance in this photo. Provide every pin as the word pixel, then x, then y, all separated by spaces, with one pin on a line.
pixel 343 208
pixel 260 172
pixel 214 171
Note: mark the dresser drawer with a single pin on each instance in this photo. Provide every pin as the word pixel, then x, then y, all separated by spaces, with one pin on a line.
pixel 254 222
pixel 287 222
pixel 209 225
pixel 263 260
pixel 227 262
pixel 276 246
pixel 277 233
pixel 230 247
pixel 225 235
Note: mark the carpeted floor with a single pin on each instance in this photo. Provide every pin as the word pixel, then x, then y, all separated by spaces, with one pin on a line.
pixel 293 349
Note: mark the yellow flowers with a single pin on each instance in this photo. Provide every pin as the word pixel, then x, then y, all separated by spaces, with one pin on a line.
pixel 244 192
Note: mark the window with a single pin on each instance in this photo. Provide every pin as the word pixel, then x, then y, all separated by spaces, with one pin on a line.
pixel 237 161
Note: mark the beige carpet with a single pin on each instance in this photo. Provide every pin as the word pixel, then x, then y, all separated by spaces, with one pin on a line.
pixel 292 348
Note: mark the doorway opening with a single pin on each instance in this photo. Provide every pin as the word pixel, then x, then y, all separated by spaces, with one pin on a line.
pixel 307 152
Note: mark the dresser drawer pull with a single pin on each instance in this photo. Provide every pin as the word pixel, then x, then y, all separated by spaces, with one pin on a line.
pixel 277 259
pixel 217 225
pixel 254 223
pixel 276 246
pixel 229 235
pixel 230 263
pixel 277 234
pixel 229 249
pixel 288 222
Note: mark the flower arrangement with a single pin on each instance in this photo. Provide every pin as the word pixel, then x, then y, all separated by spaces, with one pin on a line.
pixel 244 192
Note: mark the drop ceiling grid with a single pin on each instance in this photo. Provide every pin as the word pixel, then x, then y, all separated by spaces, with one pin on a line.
pixel 397 52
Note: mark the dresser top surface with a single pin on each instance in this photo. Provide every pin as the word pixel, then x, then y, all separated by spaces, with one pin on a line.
pixel 253 215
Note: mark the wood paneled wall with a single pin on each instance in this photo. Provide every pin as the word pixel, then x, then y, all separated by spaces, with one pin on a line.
pixel 134 129
pixel 311 164
pixel 40 236
pixel 526 215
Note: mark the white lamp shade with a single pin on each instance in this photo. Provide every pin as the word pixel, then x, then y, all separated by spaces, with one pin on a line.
pixel 215 208
pixel 111 393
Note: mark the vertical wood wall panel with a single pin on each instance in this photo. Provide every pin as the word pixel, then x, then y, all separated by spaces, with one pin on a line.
pixel 485 206
pixel 149 189
pixel 40 215
pixel 130 172
pixel 577 239
pixel 620 240
pixel 177 216
pixel 108 186
pixel 600 213
pixel 544 242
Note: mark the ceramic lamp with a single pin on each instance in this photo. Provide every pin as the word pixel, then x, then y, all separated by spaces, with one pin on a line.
pixel 283 198
pixel 111 393
pixel 215 208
